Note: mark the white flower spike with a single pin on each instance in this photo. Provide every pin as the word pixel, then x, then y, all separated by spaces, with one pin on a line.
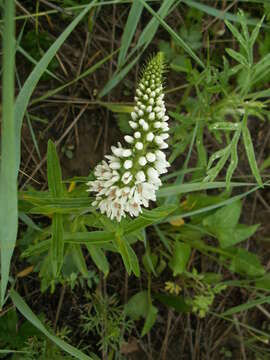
pixel 129 178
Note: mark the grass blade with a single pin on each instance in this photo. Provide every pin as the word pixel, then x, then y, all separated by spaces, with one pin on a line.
pixel 145 38
pixel 8 174
pixel 129 30
pixel 31 82
pixel 25 310
pixel 221 14
pixel 11 132
pixel 174 35
pixel 165 191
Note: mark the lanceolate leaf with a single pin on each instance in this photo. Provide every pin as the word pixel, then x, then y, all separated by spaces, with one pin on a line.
pixel 250 151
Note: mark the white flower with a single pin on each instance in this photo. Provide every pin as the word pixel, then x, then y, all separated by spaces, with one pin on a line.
pixel 139 146
pixel 128 180
pixel 140 177
pixel 142 161
pixel 129 139
pixel 128 164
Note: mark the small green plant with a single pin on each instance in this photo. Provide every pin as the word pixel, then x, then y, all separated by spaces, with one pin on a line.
pixel 104 317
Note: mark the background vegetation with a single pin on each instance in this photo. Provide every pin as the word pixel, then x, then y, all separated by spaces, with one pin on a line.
pixel 188 279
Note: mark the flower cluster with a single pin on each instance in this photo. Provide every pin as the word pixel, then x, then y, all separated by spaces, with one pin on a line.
pixel 130 177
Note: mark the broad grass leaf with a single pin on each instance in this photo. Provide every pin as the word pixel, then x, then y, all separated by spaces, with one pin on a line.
pixel 180 258
pixel 25 310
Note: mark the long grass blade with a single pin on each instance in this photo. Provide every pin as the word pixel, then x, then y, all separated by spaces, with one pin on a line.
pixel 174 35
pixel 129 30
pixel 31 82
pixel 25 310
pixel 8 174
pixel 217 13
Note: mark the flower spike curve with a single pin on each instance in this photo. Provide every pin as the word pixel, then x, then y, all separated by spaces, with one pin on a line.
pixel 128 179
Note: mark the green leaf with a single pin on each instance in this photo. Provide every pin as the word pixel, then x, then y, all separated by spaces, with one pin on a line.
pixel 236 34
pixel 148 217
pixel 128 255
pixel 57 244
pixel 176 302
pixel 137 306
pixel 234 157
pixel 264 282
pixel 246 263
pixel 224 224
pixel 180 258
pixel 54 173
pixel 237 56
pixel 24 309
pixel 255 32
pixel 250 151
pixel 79 260
pixel 224 218
pixel 92 237
pixel 150 319
pixel 99 258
